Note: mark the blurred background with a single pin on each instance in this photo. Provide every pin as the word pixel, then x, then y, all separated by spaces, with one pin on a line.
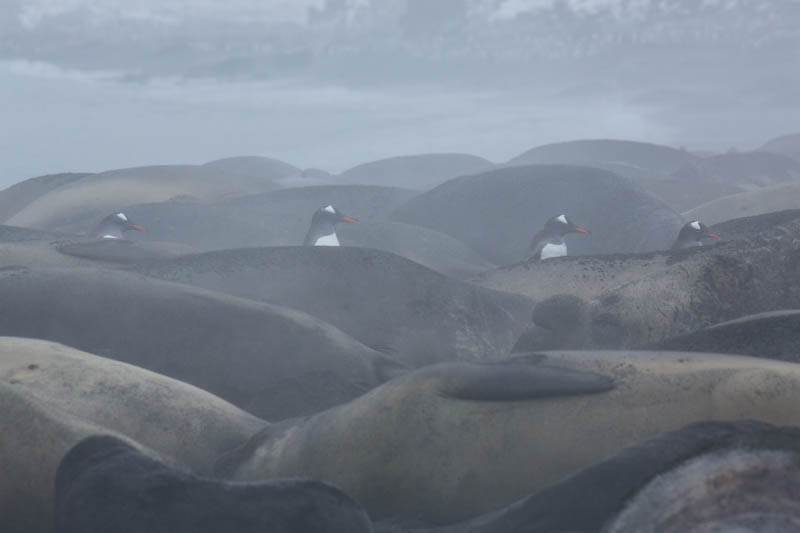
pixel 88 85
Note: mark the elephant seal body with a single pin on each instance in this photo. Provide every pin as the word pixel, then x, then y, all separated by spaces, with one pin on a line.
pixel 429 248
pixel 36 248
pixel 16 197
pixel 758 201
pixel 35 436
pixel 384 301
pixel 651 160
pixel 104 484
pixel 163 414
pixel 701 475
pixel 271 361
pixel 497 212
pixel 740 491
pixel 277 218
pixel 773 335
pixel 419 171
pixel 641 300
pixel 76 206
pixel 450 441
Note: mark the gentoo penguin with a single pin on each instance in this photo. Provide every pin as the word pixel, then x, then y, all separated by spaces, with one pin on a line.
pixel 322 231
pixel 691 234
pixel 113 226
pixel 549 242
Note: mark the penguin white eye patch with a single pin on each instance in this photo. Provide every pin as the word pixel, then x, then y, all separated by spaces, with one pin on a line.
pixel 696 225
pixel 562 219
pixel 122 217
pixel 330 209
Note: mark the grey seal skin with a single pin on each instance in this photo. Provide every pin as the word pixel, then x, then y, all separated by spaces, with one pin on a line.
pixel 429 248
pixel 72 206
pixel 17 196
pixel 648 298
pixel 773 335
pixel 269 360
pixel 409 449
pixel 493 212
pixel 9 234
pixel 122 252
pixel 744 227
pixel 420 171
pixel 177 419
pixel 31 247
pixel 758 201
pixel 651 160
pixel 36 436
pixel 281 218
pixel 104 484
pixel 703 473
pixel 385 301
pixel 277 218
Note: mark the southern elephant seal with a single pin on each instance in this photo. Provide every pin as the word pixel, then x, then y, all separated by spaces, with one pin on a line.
pixel 104 484
pixel 35 436
pixel 496 212
pixel 772 335
pixel 418 171
pixel 704 473
pixel 271 361
pixel 454 440
pixel 641 300
pixel 77 205
pixel 642 159
pixel 383 300
pixel 163 414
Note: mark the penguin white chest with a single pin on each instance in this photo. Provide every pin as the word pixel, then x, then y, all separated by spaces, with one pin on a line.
pixel 554 250
pixel 327 240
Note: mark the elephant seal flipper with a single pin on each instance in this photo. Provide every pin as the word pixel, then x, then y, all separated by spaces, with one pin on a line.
pixel 587 499
pixel 129 492
pixel 515 380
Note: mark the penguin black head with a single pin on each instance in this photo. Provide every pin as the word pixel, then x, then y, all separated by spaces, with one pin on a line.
pixel 561 225
pixel 330 214
pixel 114 225
pixel 691 234
pixel 549 242
pixel 322 231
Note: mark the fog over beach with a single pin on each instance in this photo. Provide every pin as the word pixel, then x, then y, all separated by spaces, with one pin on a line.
pixel 88 85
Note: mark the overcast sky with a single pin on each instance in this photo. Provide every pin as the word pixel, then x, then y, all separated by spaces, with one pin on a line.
pixel 99 84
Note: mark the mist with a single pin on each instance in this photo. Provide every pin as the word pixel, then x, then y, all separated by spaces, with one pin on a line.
pixel 334 84
pixel 399 266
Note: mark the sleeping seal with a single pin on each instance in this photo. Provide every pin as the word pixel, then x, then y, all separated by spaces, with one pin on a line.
pixel 450 441
pixel 104 484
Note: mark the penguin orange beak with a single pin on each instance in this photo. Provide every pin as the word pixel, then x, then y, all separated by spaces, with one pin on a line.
pixel 137 227
pixel 348 219
pixel 712 235
pixel 581 230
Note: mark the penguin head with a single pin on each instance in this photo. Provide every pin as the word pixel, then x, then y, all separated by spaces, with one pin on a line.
pixel 115 224
pixel 329 214
pixel 121 220
pixel 695 231
pixel 561 225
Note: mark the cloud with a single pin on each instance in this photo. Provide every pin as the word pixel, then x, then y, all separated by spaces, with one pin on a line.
pixel 170 12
